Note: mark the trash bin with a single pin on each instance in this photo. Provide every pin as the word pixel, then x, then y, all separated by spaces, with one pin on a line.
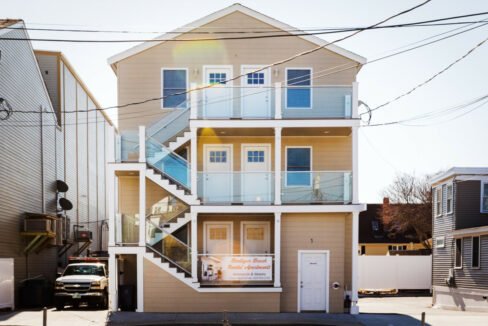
pixel 127 300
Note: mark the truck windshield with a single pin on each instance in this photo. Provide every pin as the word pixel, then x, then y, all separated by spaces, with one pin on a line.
pixel 84 270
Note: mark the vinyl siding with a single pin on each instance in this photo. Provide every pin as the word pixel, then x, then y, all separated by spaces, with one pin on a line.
pixel 139 76
pixel 473 278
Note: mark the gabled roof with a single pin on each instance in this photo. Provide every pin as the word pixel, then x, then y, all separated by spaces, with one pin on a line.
pixel 224 12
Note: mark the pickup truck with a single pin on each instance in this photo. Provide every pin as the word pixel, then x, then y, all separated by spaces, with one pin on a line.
pixel 82 282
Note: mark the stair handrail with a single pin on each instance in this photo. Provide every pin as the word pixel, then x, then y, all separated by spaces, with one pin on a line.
pixel 177 216
pixel 168 259
pixel 169 121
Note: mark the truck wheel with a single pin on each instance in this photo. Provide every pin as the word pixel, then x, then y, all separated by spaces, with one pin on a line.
pixel 59 306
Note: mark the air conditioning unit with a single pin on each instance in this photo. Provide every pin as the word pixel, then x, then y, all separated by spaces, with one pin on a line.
pixel 39 223
pixel 82 236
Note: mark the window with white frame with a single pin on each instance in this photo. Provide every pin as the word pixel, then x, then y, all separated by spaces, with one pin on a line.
pixel 298 166
pixel 174 87
pixel 298 91
pixel 440 242
pixel 458 253
pixel 438 201
pixel 484 197
pixel 475 252
pixel 449 202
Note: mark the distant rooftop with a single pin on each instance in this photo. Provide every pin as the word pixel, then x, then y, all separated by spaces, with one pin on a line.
pixel 8 21
pixel 454 171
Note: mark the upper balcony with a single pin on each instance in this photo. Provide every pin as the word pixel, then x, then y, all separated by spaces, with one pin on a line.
pixel 223 101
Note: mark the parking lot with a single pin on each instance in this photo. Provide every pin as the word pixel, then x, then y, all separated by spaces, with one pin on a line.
pixel 67 317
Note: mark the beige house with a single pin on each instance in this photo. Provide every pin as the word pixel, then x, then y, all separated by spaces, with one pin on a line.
pixel 236 182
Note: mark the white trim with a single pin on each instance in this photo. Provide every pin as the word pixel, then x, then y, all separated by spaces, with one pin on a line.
pixel 272 123
pixel 483 183
pixel 266 85
pixel 227 223
pixel 327 272
pixel 279 209
pixel 231 162
pixel 455 253
pixel 442 245
pixel 162 87
pixel 277 250
pixel 479 252
pixel 267 223
pixel 194 246
pixel 310 86
pixel 286 166
pixel 277 167
pixel 449 210
pixel 206 83
pixel 460 173
pixel 480 230
pixel 140 281
pixel 354 264
pixel 268 166
pixel 437 190
pixel 226 11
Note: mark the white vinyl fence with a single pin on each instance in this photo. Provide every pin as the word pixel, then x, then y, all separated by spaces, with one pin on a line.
pixel 7 283
pixel 395 272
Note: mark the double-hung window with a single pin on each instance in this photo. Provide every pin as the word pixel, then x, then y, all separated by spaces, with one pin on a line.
pixel 438 201
pixel 298 166
pixel 298 91
pixel 449 203
pixel 458 248
pixel 174 82
pixel 475 252
pixel 484 197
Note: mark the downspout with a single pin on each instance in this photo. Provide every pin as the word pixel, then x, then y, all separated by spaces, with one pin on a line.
pixel 43 197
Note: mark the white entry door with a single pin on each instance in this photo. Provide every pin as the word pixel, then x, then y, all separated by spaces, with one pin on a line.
pixel 217 175
pixel 217 100
pixel 313 280
pixel 218 238
pixel 256 175
pixel 256 94
pixel 255 237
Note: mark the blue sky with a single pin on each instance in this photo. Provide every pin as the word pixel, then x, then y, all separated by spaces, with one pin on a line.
pixel 384 151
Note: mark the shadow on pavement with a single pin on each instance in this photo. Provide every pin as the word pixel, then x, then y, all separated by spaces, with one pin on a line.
pixel 373 319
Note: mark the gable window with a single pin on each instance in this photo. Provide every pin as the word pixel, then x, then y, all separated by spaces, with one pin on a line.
pixel 475 252
pixel 449 199
pixel 484 197
pixel 438 201
pixel 440 242
pixel 298 91
pixel 298 166
pixel 174 83
pixel 458 252
pixel 375 225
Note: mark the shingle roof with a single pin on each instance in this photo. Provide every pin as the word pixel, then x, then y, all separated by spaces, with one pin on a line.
pixel 7 22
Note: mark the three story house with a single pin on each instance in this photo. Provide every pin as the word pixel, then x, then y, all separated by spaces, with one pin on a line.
pixel 236 183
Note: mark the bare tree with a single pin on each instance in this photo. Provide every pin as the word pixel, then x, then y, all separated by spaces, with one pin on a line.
pixel 410 208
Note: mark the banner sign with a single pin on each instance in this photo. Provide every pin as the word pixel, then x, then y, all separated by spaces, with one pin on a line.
pixel 237 268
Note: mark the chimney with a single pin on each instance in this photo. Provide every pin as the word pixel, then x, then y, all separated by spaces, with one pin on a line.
pixel 386 210
pixel 386 201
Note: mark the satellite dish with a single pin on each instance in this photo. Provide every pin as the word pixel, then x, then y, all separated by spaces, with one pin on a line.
pixel 61 186
pixel 65 204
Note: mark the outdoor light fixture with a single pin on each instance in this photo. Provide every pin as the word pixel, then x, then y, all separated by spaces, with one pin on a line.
pixel 5 109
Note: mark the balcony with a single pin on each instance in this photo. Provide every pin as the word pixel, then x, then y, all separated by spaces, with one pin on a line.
pixel 278 102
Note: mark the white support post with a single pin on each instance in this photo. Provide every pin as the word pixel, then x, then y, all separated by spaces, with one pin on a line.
pixel 354 273
pixel 194 247
pixel 278 107
pixel 193 163
pixel 142 144
pixel 142 207
pixel 355 165
pixel 193 102
pixel 277 169
pixel 355 100
pixel 140 282
pixel 277 250
pixel 112 285
pixel 112 193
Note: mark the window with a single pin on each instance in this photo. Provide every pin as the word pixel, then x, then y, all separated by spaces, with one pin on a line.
pixel 255 233
pixel 375 225
pixel 298 92
pixel 218 234
pixel 397 247
pixel 484 197
pixel 438 201
pixel 217 78
pixel 255 78
pixel 458 258
pixel 298 166
pixel 440 242
pixel 218 156
pixel 255 156
pixel 174 82
pixel 449 199
pixel 475 252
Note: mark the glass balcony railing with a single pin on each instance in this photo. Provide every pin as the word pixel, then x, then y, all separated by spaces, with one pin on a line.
pixel 303 187
pixel 127 230
pixel 129 146
pixel 170 164
pixel 244 270
pixel 166 210
pixel 236 187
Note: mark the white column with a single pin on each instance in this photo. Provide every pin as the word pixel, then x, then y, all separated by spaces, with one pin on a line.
pixel 142 144
pixel 355 100
pixel 193 102
pixel 194 247
pixel 277 172
pixel 355 166
pixel 193 163
pixel 354 273
pixel 277 250
pixel 112 285
pixel 142 207
pixel 140 282
pixel 278 107
pixel 112 194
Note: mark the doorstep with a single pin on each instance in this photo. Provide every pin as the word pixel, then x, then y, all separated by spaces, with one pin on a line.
pixel 120 318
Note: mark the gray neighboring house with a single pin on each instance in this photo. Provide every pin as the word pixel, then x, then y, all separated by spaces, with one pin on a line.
pixel 460 239
pixel 37 149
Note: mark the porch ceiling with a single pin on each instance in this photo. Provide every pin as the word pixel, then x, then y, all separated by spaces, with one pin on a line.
pixel 221 132
pixel 343 131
